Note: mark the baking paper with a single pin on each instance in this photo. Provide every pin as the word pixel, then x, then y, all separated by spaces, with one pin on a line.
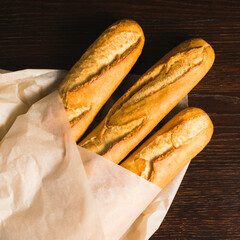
pixel 33 176
pixel 121 195
pixel 20 89
pixel 44 191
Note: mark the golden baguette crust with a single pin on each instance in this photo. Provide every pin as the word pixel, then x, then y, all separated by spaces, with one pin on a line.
pixel 162 156
pixel 100 70
pixel 147 102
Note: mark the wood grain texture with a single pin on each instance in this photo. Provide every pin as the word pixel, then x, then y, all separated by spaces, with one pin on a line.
pixel 54 34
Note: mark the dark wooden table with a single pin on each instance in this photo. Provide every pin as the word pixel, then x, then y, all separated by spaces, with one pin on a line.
pixel 54 34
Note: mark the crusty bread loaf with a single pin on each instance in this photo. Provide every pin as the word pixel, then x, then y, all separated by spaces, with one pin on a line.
pixel 141 108
pixel 163 155
pixel 92 80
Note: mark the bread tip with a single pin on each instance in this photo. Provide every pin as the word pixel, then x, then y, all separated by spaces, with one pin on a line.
pixel 199 111
pixel 208 47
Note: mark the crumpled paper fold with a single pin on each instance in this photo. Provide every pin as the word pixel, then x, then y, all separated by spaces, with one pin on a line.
pixel 44 191
pixel 20 89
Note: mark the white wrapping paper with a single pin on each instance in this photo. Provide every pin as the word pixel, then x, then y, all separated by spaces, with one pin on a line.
pixel 121 196
pixel 44 192
pixel 20 89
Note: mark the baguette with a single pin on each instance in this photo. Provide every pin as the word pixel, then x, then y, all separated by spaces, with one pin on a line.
pixel 163 155
pixel 100 70
pixel 146 103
